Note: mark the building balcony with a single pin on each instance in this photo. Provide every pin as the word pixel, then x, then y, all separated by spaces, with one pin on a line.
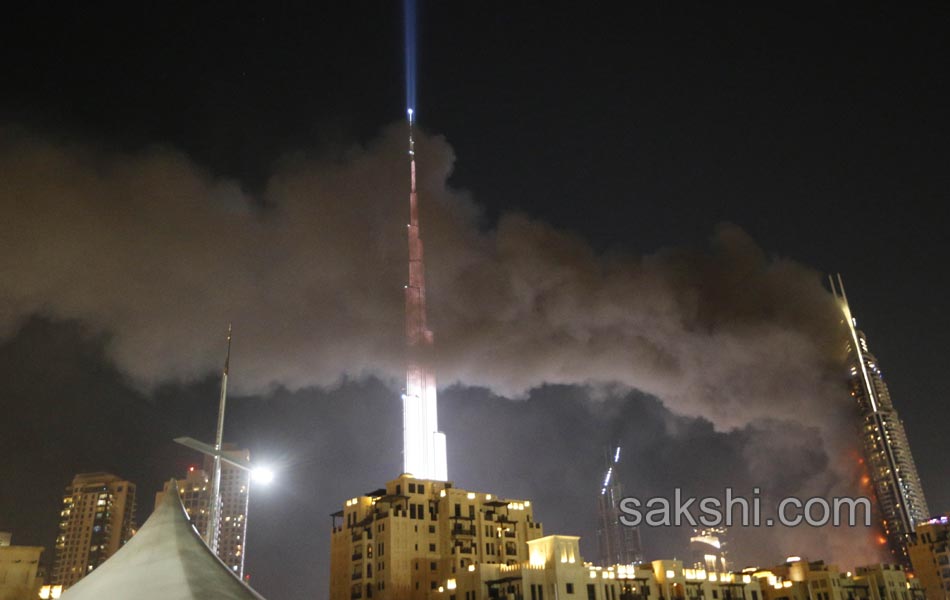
pixel 357 576
pixel 466 531
pixel 358 556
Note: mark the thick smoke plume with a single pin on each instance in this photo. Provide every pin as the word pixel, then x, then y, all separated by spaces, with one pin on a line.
pixel 160 254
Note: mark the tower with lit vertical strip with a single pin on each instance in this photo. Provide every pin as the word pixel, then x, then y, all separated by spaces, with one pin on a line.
pixel 617 543
pixel 424 453
pixel 890 464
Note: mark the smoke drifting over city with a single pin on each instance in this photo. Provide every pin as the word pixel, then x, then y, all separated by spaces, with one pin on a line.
pixel 158 254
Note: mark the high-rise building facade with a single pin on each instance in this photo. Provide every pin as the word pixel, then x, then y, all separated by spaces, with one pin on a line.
pixel 930 556
pixel 424 453
pixel 890 464
pixel 235 494
pixel 195 492
pixel 97 518
pixel 617 543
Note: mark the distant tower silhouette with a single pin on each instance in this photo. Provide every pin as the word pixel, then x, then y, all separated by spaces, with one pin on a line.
pixel 423 444
pixel 617 543
pixel 890 464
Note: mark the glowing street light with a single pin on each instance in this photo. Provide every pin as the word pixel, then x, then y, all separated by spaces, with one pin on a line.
pixel 262 475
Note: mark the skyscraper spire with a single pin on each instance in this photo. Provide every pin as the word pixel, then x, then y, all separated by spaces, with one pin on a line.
pixel 890 464
pixel 423 444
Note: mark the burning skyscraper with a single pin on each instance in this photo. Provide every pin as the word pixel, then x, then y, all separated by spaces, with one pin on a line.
pixel 890 464
pixel 617 543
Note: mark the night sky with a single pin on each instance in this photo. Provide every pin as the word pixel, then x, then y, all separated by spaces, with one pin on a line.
pixel 629 216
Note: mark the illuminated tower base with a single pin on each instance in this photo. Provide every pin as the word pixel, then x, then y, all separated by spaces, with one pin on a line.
pixel 423 445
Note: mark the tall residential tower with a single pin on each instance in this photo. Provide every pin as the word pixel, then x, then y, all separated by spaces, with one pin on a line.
pixel 890 464
pixel 97 518
pixel 423 443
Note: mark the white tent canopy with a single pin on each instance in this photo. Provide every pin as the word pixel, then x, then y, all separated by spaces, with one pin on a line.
pixel 165 560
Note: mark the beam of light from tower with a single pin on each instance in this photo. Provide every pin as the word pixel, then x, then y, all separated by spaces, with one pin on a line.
pixel 409 10
pixel 424 452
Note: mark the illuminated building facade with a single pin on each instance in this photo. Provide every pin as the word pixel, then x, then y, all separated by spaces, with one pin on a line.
pixel 427 540
pixel 800 579
pixel 235 489
pixel 617 543
pixel 708 549
pixel 930 556
pixel 424 454
pixel 195 492
pixel 97 518
pixel 887 455
pixel 410 538
pixel 423 539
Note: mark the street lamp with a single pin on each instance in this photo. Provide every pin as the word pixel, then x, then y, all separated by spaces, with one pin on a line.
pixel 262 475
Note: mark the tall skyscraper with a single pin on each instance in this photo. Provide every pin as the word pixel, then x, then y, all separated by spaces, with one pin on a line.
pixel 97 518
pixel 423 444
pixel 617 543
pixel 234 493
pixel 887 455
pixel 195 491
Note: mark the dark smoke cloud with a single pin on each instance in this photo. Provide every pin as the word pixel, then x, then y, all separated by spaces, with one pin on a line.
pixel 161 255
